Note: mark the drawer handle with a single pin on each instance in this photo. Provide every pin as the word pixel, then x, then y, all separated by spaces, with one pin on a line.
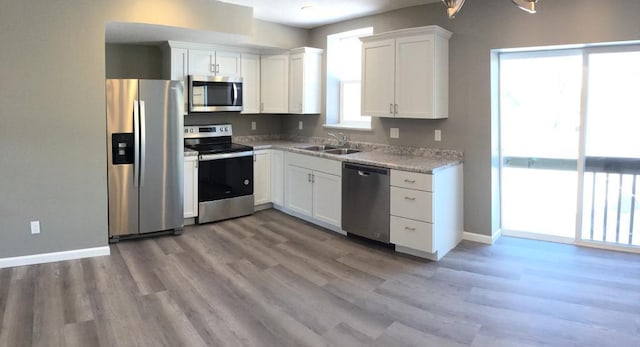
pixel 409 198
pixel 409 228
pixel 409 181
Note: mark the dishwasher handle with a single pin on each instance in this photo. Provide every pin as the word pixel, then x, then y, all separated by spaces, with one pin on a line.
pixel 365 170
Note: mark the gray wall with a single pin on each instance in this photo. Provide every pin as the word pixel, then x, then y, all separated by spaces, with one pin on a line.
pixel 480 27
pixel 52 138
pixel 133 61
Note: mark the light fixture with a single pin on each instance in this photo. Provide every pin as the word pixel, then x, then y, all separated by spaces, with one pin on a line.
pixel 454 6
pixel 526 5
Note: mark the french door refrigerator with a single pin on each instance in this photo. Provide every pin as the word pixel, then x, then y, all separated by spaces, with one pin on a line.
pixel 145 157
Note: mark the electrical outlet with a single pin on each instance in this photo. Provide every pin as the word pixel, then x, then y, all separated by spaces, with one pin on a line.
pixel 299 125
pixel 395 133
pixel 35 227
pixel 437 135
pixel 253 125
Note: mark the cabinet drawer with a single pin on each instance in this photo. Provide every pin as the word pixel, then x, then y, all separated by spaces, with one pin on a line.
pixel 414 204
pixel 412 180
pixel 412 234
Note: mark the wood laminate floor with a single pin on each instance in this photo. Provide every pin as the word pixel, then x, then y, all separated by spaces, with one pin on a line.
pixel 272 280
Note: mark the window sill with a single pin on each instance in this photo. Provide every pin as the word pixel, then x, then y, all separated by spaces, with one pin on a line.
pixel 348 127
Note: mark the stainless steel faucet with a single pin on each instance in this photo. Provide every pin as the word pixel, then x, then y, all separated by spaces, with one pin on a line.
pixel 342 138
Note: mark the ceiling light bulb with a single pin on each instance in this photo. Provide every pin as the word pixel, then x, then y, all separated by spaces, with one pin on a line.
pixel 453 7
pixel 526 5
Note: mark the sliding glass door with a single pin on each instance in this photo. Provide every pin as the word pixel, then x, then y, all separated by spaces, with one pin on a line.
pixel 540 118
pixel 570 144
pixel 610 209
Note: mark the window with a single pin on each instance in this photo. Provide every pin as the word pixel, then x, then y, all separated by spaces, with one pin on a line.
pixel 344 79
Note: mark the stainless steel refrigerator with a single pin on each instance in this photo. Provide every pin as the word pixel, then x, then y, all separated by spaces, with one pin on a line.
pixel 145 157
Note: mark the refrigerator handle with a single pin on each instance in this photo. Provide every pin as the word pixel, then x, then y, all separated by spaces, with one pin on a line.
pixel 143 141
pixel 136 144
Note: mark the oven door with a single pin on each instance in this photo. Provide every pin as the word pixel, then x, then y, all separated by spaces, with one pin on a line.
pixel 224 176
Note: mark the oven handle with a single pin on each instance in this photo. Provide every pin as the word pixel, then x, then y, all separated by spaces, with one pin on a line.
pixel 206 157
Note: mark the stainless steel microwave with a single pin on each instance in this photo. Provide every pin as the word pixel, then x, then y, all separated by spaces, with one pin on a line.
pixel 215 93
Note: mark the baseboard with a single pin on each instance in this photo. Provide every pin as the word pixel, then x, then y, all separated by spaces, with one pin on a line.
pixel 56 256
pixel 486 239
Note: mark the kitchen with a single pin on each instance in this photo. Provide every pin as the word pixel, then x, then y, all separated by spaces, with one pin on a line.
pixel 70 122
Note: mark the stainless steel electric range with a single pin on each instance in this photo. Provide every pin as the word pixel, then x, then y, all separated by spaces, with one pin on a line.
pixel 225 172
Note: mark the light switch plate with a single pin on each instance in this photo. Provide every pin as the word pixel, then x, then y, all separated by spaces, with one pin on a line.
pixel 437 135
pixel 253 125
pixel 299 125
pixel 395 133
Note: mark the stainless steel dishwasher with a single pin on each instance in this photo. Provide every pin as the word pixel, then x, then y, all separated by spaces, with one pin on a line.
pixel 365 201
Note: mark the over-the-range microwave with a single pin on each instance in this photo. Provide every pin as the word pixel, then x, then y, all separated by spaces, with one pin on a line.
pixel 215 93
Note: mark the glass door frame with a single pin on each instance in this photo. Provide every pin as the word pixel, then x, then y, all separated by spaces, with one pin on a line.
pixel 587 52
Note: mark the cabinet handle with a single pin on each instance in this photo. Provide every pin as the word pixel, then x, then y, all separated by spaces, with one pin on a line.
pixel 217 68
pixel 313 178
pixel 212 68
pixel 409 198
pixel 409 181
pixel 308 177
pixel 410 228
pixel 390 108
pixel 396 108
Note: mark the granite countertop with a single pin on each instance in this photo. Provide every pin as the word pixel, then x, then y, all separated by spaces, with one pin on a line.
pixel 406 160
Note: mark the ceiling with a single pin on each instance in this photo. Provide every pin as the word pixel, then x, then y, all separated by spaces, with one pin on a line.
pixel 321 12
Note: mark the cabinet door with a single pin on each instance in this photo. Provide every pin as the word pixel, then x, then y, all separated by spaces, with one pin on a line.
pixel 299 190
pixel 274 83
pixel 277 177
pixel 201 62
pixel 327 198
pixel 250 67
pixel 296 83
pixel 227 64
pixel 415 77
pixel 190 187
pixel 378 64
pixel 261 177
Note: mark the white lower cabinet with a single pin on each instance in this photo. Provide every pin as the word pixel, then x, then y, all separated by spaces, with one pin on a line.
pixel 262 177
pixel 190 186
pixel 313 188
pixel 327 198
pixel 426 212
pixel 277 177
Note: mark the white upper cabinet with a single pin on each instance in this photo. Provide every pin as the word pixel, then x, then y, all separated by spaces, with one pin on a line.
pixel 176 67
pixel 274 83
pixel 378 63
pixel 304 80
pixel 210 62
pixel 250 67
pixel 405 73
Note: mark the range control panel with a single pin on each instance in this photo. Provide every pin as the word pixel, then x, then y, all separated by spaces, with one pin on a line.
pixel 214 130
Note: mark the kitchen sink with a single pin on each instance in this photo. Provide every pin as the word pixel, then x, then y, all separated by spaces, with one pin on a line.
pixel 319 148
pixel 342 151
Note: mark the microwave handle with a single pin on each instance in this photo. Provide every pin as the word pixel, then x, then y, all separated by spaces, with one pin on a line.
pixel 235 94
